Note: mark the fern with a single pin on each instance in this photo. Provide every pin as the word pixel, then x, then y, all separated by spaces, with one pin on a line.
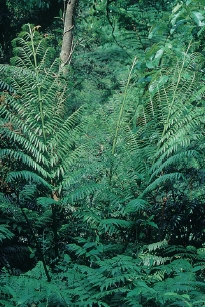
pixel 128 178
pixel 38 111
pixel 45 137
pixel 5 233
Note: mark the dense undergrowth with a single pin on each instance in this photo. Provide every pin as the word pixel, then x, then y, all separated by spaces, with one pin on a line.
pixel 102 171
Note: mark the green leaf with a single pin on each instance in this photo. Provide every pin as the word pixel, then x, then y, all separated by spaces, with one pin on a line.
pixel 154 86
pixel 28 176
pixel 176 8
pixel 5 233
pixel 159 53
pixel 136 205
pixel 197 268
pixel 46 201
pixel 198 18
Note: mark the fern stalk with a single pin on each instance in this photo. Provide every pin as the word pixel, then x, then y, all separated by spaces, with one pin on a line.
pixel 44 135
pixel 122 107
pixel 38 82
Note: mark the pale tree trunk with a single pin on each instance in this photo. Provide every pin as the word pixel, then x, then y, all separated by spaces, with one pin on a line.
pixel 67 44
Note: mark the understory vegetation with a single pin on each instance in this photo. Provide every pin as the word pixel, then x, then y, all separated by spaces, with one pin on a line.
pixel 102 173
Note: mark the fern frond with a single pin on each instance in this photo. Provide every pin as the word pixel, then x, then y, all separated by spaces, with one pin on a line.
pixel 111 225
pixel 68 124
pixel 69 159
pixel 162 180
pixel 46 202
pixel 136 205
pixel 5 233
pixel 25 159
pixel 81 192
pixel 5 86
pixel 157 245
pixel 28 176
pixel 175 159
pixel 153 260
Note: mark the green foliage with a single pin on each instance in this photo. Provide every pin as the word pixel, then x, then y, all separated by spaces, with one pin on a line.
pixel 106 200
pixel 34 118
pixel 128 280
pixel 5 233
pixel 36 111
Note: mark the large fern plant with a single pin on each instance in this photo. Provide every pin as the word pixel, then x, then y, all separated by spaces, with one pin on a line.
pixel 33 114
pixel 35 128
pixel 169 126
pixel 148 158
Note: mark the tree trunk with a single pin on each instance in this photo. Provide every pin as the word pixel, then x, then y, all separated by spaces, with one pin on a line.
pixel 67 44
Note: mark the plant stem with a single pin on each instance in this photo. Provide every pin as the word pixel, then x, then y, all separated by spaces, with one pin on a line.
pixel 32 31
pixel 122 108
